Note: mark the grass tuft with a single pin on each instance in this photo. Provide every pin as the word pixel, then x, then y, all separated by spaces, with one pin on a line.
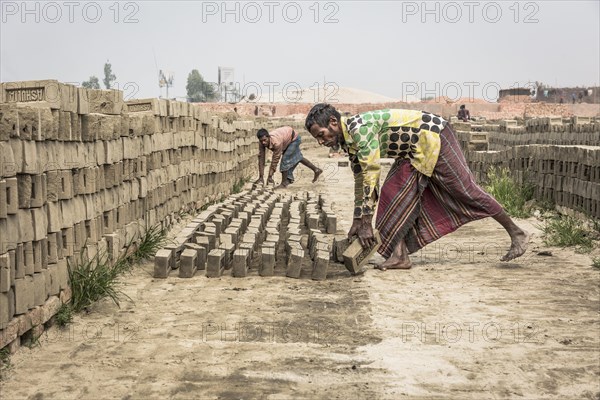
pixel 238 186
pixel 596 262
pixel 64 316
pixel 565 231
pixel 5 364
pixel 512 195
pixel 96 279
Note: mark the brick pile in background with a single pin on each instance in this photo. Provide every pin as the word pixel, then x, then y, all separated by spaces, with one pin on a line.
pixel 83 171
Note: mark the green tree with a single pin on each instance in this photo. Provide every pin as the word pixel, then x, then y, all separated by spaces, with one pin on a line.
pixel 198 90
pixel 92 83
pixel 109 77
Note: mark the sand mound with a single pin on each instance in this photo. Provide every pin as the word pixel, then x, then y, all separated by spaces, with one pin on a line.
pixel 331 94
pixel 448 100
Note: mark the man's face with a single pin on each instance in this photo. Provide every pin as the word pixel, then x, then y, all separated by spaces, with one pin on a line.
pixel 327 136
pixel 264 140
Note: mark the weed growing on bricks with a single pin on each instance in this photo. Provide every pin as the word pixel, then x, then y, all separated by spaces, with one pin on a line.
pixel 238 186
pixel 512 195
pixel 596 262
pixel 64 316
pixel 5 364
pixel 95 278
pixel 566 231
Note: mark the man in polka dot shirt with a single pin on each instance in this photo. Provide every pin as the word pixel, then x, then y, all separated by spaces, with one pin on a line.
pixel 429 191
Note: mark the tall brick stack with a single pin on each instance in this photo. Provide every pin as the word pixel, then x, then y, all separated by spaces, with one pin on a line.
pixel 560 157
pixel 83 171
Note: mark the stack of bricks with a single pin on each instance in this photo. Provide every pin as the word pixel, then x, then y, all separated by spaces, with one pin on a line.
pixel 568 176
pixel 225 236
pixel 260 222
pixel 583 131
pixel 560 157
pixel 83 172
pixel 294 250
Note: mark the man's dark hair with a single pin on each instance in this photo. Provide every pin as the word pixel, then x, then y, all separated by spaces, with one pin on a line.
pixel 462 106
pixel 262 132
pixel 320 115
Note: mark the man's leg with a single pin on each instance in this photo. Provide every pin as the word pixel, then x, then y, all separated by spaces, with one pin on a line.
pixel 284 180
pixel 315 170
pixel 519 239
pixel 398 260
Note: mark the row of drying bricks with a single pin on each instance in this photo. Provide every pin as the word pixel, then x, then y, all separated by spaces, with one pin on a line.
pixel 236 228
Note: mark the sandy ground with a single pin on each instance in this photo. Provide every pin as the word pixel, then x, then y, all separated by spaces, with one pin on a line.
pixel 459 325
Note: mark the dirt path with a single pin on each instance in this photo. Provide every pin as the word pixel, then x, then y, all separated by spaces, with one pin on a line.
pixel 459 325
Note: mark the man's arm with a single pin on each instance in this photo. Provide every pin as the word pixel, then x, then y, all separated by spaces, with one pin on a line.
pixel 261 162
pixel 275 160
pixel 366 181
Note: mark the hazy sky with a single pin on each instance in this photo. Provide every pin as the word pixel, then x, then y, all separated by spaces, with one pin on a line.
pixel 394 48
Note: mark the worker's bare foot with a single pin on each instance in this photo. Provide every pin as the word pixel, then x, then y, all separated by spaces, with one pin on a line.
pixel 518 246
pixel 318 173
pixel 283 185
pixel 394 264
pixel 398 260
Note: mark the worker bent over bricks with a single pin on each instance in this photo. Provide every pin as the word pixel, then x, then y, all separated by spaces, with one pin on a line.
pixel 428 193
pixel 285 143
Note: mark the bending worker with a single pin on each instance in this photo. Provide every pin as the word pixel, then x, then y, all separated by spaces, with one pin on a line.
pixel 285 143
pixel 428 193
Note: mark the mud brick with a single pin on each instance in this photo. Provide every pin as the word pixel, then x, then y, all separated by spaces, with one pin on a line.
pixel 80 236
pixel 108 222
pixel 320 266
pixel 249 238
pixel 52 248
pixel 294 264
pixel 29 259
pixel 275 224
pixel 204 241
pixel 240 263
pixel 20 261
pixel 228 215
pixel 236 222
pixel 39 219
pixel 91 231
pixel 12 197
pixel 244 216
pixel 317 247
pixel 251 247
pixel 163 263
pixel 39 289
pixel 210 236
pixel 68 242
pixel 24 182
pixel 268 261
pixel 220 223
pixel 201 254
pixel 313 221
pixel 105 101
pixel 37 248
pixel 24 294
pixel 65 189
pixel 188 263
pixel 225 238
pixel 63 274
pixel 6 311
pixel 355 257
pixel 214 264
pixel 5 280
pixel 3 205
pixel 228 257
pixel 340 244
pixel 331 223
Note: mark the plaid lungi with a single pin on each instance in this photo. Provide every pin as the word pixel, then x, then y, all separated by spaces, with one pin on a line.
pixel 421 209
pixel 291 157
